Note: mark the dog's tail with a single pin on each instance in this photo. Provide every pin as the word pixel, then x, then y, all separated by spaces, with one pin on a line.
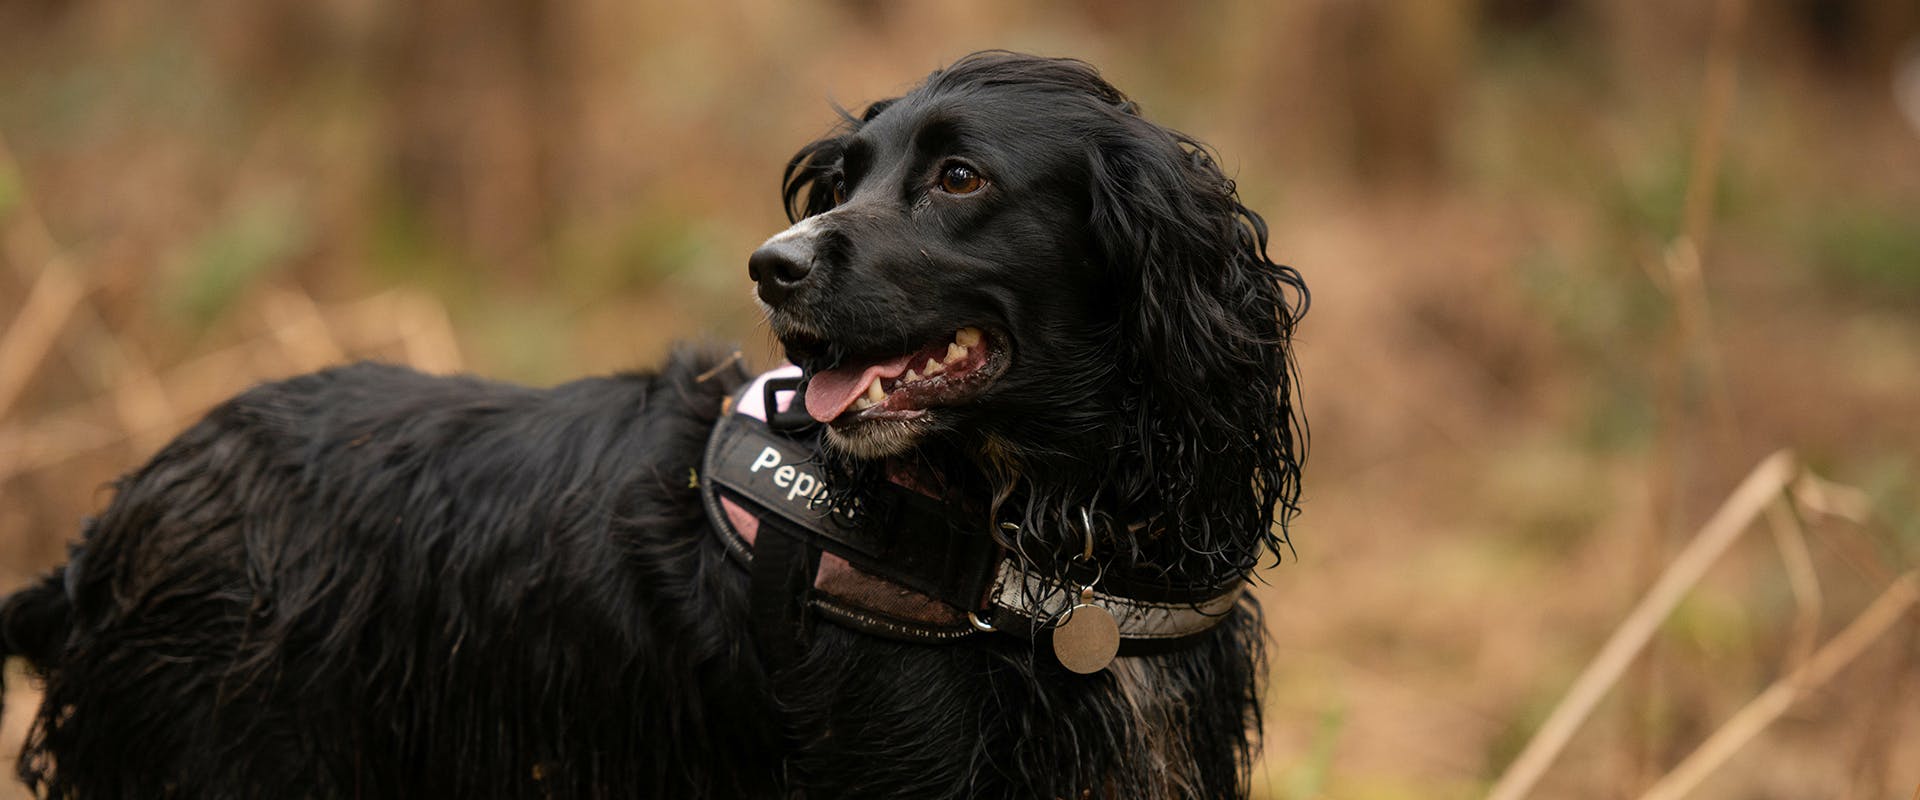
pixel 35 621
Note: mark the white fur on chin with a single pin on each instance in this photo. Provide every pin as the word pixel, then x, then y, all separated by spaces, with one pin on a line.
pixel 874 440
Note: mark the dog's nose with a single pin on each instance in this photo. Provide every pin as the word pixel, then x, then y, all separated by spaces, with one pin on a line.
pixel 780 267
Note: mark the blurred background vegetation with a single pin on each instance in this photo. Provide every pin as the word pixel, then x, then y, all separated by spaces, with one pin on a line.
pixel 1577 266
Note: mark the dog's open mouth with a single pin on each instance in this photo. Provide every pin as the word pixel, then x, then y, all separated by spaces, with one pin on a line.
pixel 903 387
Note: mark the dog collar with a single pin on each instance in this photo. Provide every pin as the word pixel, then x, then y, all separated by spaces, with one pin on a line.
pixel 904 565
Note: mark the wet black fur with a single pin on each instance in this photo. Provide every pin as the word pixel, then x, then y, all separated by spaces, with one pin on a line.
pixel 368 582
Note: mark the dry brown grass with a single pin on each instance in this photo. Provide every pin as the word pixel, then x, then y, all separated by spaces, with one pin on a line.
pixel 1763 490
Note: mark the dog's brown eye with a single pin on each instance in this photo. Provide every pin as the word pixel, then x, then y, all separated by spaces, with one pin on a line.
pixel 839 192
pixel 960 179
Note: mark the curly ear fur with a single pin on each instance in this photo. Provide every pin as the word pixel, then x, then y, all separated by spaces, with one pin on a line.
pixel 806 185
pixel 1206 328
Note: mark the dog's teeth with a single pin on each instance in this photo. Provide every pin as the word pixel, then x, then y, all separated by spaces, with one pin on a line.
pixel 967 337
pixel 933 368
pixel 875 393
pixel 955 352
pixel 912 376
pixel 862 404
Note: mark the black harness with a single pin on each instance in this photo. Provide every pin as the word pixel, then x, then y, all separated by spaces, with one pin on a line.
pixel 901 565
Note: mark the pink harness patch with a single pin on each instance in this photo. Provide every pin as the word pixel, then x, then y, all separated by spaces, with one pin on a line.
pixel 836 576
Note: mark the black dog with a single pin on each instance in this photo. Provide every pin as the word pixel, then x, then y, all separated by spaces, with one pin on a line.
pixel 369 582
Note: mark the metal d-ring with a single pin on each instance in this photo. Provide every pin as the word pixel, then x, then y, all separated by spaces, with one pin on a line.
pixel 1086 524
pixel 1085 556
pixel 979 624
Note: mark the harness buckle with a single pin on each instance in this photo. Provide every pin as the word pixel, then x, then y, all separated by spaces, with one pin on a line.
pixel 794 417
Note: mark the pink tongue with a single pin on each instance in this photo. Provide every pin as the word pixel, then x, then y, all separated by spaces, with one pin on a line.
pixel 829 393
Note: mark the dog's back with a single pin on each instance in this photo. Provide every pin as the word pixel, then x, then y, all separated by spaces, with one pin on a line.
pixel 373 583
pixel 336 585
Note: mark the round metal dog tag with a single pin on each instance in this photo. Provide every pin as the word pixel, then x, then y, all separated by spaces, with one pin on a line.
pixel 1086 638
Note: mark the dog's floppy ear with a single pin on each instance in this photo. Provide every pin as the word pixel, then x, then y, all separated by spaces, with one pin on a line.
pixel 806 187
pixel 1206 323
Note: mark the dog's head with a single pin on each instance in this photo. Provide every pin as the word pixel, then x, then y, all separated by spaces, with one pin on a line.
pixel 1010 263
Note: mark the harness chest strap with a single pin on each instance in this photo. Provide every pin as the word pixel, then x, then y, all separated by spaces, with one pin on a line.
pixel 756 481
